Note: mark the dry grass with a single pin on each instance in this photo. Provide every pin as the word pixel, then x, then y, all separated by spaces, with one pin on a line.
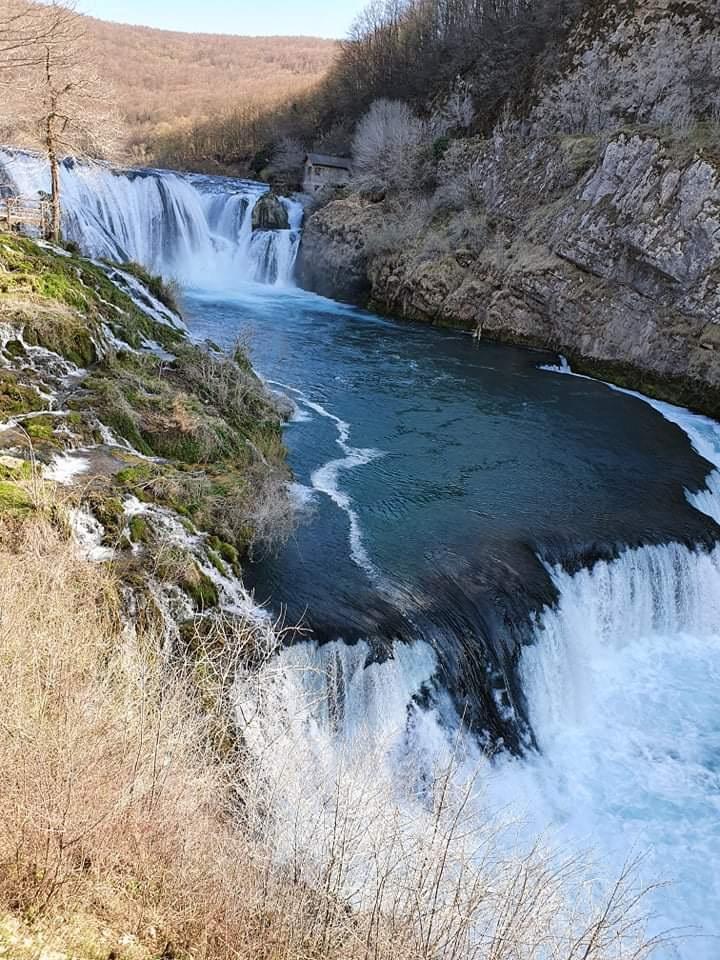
pixel 116 807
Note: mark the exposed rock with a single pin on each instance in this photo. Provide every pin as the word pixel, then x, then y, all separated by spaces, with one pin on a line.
pixel 615 262
pixel 270 214
pixel 333 260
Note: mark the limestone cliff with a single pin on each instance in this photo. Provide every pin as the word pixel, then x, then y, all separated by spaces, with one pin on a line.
pixel 590 227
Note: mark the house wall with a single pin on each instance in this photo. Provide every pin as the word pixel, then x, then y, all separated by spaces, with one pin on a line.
pixel 317 177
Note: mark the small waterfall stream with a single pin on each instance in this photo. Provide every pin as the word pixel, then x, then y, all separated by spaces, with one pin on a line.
pixel 189 227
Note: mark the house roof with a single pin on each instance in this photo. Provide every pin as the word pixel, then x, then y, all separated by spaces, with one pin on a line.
pixel 325 160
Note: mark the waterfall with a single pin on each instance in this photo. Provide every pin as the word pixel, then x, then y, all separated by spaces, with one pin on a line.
pixel 623 694
pixel 193 228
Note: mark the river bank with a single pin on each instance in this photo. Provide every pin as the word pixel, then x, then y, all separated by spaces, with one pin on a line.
pixel 604 250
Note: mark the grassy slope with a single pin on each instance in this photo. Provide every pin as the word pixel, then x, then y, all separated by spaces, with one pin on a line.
pixel 207 435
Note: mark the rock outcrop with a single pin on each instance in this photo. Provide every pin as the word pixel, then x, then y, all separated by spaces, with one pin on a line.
pixel 333 259
pixel 608 253
pixel 270 214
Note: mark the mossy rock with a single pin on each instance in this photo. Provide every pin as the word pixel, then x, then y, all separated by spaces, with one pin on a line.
pixel 14 349
pixel 227 552
pixel 16 397
pixel 139 529
pixel 161 289
pixel 217 562
pixel 41 428
pixel 74 294
pixel 179 567
pixel 200 588
pixel 14 499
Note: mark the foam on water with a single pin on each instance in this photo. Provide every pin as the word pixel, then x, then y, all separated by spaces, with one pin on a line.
pixel 65 468
pixel 194 228
pixel 623 692
pixel 326 478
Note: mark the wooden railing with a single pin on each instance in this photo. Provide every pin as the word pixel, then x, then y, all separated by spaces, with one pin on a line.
pixel 19 212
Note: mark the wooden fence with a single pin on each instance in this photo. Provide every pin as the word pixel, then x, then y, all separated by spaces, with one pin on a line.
pixel 20 212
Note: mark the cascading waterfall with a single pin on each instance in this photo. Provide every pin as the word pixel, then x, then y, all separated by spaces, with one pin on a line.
pixel 623 696
pixel 621 681
pixel 192 228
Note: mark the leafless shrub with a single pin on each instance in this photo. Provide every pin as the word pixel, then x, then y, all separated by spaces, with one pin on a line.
pixel 228 381
pixel 386 143
pixel 460 189
pixel 468 230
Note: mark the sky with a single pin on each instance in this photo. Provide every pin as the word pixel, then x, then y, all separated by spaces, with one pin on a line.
pixel 320 18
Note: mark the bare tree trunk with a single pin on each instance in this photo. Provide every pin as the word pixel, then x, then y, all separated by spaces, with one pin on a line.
pixel 52 157
pixel 54 195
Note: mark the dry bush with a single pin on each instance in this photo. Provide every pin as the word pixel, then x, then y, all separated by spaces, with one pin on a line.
pixel 402 228
pixel 113 800
pixel 468 230
pixel 386 145
pixel 461 188
pixel 228 382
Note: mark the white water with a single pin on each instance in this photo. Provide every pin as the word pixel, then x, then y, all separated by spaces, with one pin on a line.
pixel 326 478
pixel 195 229
pixel 622 684
pixel 623 692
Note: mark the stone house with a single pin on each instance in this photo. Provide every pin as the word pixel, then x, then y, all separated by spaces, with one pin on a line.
pixel 322 170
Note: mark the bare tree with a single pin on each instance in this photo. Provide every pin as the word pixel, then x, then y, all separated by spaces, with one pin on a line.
pixel 26 28
pixel 386 144
pixel 54 93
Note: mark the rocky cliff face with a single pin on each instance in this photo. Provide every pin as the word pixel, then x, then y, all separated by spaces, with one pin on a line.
pixel 591 227
pixel 334 260
pixel 609 253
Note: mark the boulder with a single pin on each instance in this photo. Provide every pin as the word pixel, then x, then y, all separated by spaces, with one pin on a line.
pixel 270 214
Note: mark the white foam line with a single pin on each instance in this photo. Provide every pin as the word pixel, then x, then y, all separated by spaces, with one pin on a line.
pixel 702 431
pixel 325 480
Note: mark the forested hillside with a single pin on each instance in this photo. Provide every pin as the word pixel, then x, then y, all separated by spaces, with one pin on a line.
pixel 166 81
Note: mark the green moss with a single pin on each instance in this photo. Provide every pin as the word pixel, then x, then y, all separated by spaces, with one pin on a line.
pixel 139 530
pixel 216 561
pixel 15 397
pixel 179 567
pixel 158 287
pixel 226 551
pixel 200 588
pixel 81 296
pixel 15 349
pixel 14 499
pixel 41 428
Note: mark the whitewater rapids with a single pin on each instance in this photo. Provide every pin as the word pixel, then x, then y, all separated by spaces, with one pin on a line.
pixel 623 689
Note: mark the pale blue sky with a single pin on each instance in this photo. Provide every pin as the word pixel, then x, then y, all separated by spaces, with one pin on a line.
pixel 321 18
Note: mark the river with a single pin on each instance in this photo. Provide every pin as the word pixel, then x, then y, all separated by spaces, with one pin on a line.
pixel 487 548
